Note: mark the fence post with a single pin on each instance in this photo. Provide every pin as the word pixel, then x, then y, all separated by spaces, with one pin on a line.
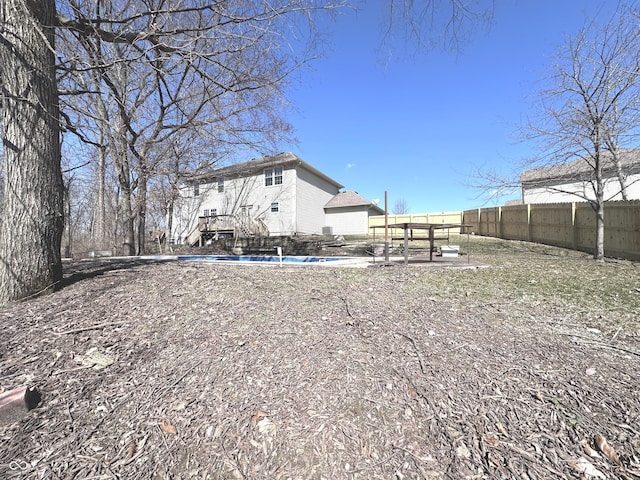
pixel 529 222
pixel 574 228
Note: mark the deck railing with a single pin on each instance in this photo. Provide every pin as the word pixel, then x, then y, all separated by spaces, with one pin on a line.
pixel 236 225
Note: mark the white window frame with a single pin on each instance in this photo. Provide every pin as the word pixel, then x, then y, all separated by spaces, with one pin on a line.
pixel 275 207
pixel 273 176
pixel 220 184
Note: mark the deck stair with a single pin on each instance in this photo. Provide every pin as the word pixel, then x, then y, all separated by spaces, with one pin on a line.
pixel 194 238
pixel 217 226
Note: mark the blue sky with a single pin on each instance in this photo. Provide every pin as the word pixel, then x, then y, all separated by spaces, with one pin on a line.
pixel 420 126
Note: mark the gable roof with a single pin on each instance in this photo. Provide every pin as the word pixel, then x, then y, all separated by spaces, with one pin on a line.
pixel 580 170
pixel 351 199
pixel 255 165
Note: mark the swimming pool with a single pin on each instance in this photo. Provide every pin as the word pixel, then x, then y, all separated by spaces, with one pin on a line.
pixel 260 258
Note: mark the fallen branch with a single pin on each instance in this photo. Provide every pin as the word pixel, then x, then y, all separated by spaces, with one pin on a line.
pixel 601 344
pixel 413 342
pixel 86 329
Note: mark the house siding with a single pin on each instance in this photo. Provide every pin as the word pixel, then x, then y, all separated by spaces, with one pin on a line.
pixel 348 220
pixel 300 198
pixel 281 222
pixel 247 193
pixel 187 208
pixel 548 193
pixel 313 193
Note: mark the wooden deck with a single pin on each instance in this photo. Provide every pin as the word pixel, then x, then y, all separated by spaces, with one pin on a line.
pixel 226 225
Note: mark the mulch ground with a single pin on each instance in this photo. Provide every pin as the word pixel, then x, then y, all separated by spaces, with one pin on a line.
pixel 193 370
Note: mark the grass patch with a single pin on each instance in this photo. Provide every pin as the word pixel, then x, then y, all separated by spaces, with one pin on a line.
pixel 569 283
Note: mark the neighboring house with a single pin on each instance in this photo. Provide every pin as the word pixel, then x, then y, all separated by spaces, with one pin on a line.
pixel 573 182
pixel 273 195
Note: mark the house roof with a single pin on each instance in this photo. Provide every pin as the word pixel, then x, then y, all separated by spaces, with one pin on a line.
pixel 285 159
pixel 351 199
pixel 580 169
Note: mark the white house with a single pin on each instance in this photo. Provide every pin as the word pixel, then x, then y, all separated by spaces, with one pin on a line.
pixel 573 182
pixel 273 195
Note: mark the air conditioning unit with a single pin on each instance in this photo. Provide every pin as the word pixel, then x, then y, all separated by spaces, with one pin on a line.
pixel 327 230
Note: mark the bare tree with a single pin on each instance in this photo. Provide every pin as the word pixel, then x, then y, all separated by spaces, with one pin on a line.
pixel 591 108
pixel 433 24
pixel 400 207
pixel 194 66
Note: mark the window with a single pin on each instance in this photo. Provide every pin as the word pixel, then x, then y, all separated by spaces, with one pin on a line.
pixel 206 212
pixel 221 185
pixel 214 212
pixel 275 207
pixel 273 176
pixel 196 189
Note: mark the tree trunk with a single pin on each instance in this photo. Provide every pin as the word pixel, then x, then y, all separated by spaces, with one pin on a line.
pixel 142 213
pixel 598 205
pixel 599 246
pixel 101 223
pixel 32 219
pixel 67 212
pixel 126 191
pixel 128 237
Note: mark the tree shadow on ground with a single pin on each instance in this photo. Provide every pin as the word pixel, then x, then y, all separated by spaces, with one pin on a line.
pixel 78 270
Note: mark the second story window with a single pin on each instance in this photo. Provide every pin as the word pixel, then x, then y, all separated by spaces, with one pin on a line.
pixel 275 207
pixel 206 212
pixel 196 189
pixel 273 176
pixel 221 185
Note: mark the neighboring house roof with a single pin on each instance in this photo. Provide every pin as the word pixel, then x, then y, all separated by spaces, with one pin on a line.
pixel 509 203
pixel 580 170
pixel 255 165
pixel 351 199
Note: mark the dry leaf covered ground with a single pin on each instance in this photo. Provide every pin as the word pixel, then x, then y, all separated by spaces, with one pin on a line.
pixel 528 369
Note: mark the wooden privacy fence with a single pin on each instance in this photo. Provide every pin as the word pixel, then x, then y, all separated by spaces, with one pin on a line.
pixel 568 225
pixel 441 217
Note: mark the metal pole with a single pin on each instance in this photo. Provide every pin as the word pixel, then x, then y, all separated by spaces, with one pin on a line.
pixel 406 243
pixel 386 229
